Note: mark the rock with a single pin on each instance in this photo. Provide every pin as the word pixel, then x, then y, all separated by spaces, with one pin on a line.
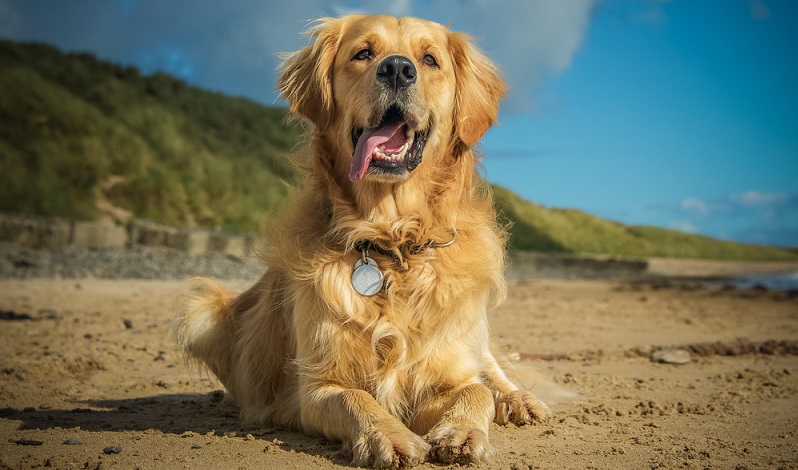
pixel 128 324
pixel 112 450
pixel 28 442
pixel 671 356
pixel 50 314
pixel 14 316
pixel 72 442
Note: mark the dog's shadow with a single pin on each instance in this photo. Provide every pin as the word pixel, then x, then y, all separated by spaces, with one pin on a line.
pixel 180 414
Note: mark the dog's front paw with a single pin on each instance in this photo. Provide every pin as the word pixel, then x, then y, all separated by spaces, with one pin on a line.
pixel 520 407
pixel 455 442
pixel 391 446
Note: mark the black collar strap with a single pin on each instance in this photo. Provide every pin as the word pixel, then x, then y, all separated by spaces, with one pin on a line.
pixel 411 248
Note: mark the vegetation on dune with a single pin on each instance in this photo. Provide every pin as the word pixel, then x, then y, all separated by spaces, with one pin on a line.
pixel 83 138
pixel 77 130
pixel 536 228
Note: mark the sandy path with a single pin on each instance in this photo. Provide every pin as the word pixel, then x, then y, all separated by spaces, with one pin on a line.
pixel 77 371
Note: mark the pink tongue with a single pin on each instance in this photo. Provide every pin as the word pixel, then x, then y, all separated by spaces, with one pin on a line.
pixel 366 144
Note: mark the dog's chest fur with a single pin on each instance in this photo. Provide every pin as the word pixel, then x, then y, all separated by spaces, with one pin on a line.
pixel 419 307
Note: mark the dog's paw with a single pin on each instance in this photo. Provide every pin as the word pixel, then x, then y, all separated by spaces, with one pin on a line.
pixel 389 447
pixel 455 442
pixel 520 407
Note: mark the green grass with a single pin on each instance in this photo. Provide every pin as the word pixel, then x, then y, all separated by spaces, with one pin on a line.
pixel 177 154
pixel 536 228
pixel 77 131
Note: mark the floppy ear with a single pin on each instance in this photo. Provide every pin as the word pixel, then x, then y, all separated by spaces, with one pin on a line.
pixel 306 75
pixel 478 92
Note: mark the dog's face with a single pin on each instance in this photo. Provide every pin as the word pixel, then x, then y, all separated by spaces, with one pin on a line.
pixel 391 93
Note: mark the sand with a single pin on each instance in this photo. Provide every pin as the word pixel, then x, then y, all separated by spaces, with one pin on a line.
pixel 86 370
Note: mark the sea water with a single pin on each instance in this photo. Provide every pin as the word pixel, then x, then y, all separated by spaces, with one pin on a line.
pixel 773 281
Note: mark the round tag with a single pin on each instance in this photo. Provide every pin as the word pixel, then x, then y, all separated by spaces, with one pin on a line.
pixel 367 277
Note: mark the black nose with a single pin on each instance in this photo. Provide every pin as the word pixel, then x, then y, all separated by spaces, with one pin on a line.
pixel 396 72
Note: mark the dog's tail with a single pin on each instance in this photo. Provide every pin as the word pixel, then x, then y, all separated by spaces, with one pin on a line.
pixel 203 325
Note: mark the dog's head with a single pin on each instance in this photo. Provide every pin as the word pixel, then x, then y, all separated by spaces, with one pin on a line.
pixel 391 93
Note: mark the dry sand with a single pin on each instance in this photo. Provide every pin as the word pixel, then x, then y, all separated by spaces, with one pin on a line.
pixel 93 365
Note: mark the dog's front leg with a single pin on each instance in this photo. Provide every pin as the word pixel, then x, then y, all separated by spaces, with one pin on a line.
pixel 461 434
pixel 354 417
pixel 512 405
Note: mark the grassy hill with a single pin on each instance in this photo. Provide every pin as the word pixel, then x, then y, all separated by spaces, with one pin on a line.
pixel 83 138
pixel 537 228
pixel 79 133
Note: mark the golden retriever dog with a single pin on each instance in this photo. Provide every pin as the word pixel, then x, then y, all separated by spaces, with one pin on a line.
pixel 369 326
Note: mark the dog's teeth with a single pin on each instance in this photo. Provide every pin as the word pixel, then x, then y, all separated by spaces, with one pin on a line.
pixel 398 156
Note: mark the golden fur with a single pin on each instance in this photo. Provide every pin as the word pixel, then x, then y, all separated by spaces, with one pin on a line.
pixel 405 375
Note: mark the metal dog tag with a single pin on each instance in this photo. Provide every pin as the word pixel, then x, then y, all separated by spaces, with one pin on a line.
pixel 367 277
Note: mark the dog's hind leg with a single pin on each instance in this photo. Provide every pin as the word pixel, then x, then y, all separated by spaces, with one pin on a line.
pixel 203 326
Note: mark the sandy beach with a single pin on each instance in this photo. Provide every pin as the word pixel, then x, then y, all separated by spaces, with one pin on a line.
pixel 89 380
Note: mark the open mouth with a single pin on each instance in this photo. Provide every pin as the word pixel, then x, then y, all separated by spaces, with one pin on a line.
pixel 391 149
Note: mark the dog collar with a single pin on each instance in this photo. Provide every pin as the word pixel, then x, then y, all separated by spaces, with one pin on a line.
pixel 411 248
pixel 367 278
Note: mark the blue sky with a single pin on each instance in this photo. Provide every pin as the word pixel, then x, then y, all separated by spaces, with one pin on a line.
pixel 681 114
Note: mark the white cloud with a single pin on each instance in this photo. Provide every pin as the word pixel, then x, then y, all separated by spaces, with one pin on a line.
pixel 766 203
pixel 650 12
pixel 759 9
pixel 760 199
pixel 683 226
pixel 530 40
pixel 695 206
pixel 233 46
pixel 760 217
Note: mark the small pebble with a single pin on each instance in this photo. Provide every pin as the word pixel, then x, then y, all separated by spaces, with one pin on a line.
pixel 112 450
pixel 29 442
pixel 264 431
pixel 128 324
pixel 72 442
pixel 671 356
pixel 49 313
pixel 196 446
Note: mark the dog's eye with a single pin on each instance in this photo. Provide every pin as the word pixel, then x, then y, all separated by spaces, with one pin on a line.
pixel 365 54
pixel 430 61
